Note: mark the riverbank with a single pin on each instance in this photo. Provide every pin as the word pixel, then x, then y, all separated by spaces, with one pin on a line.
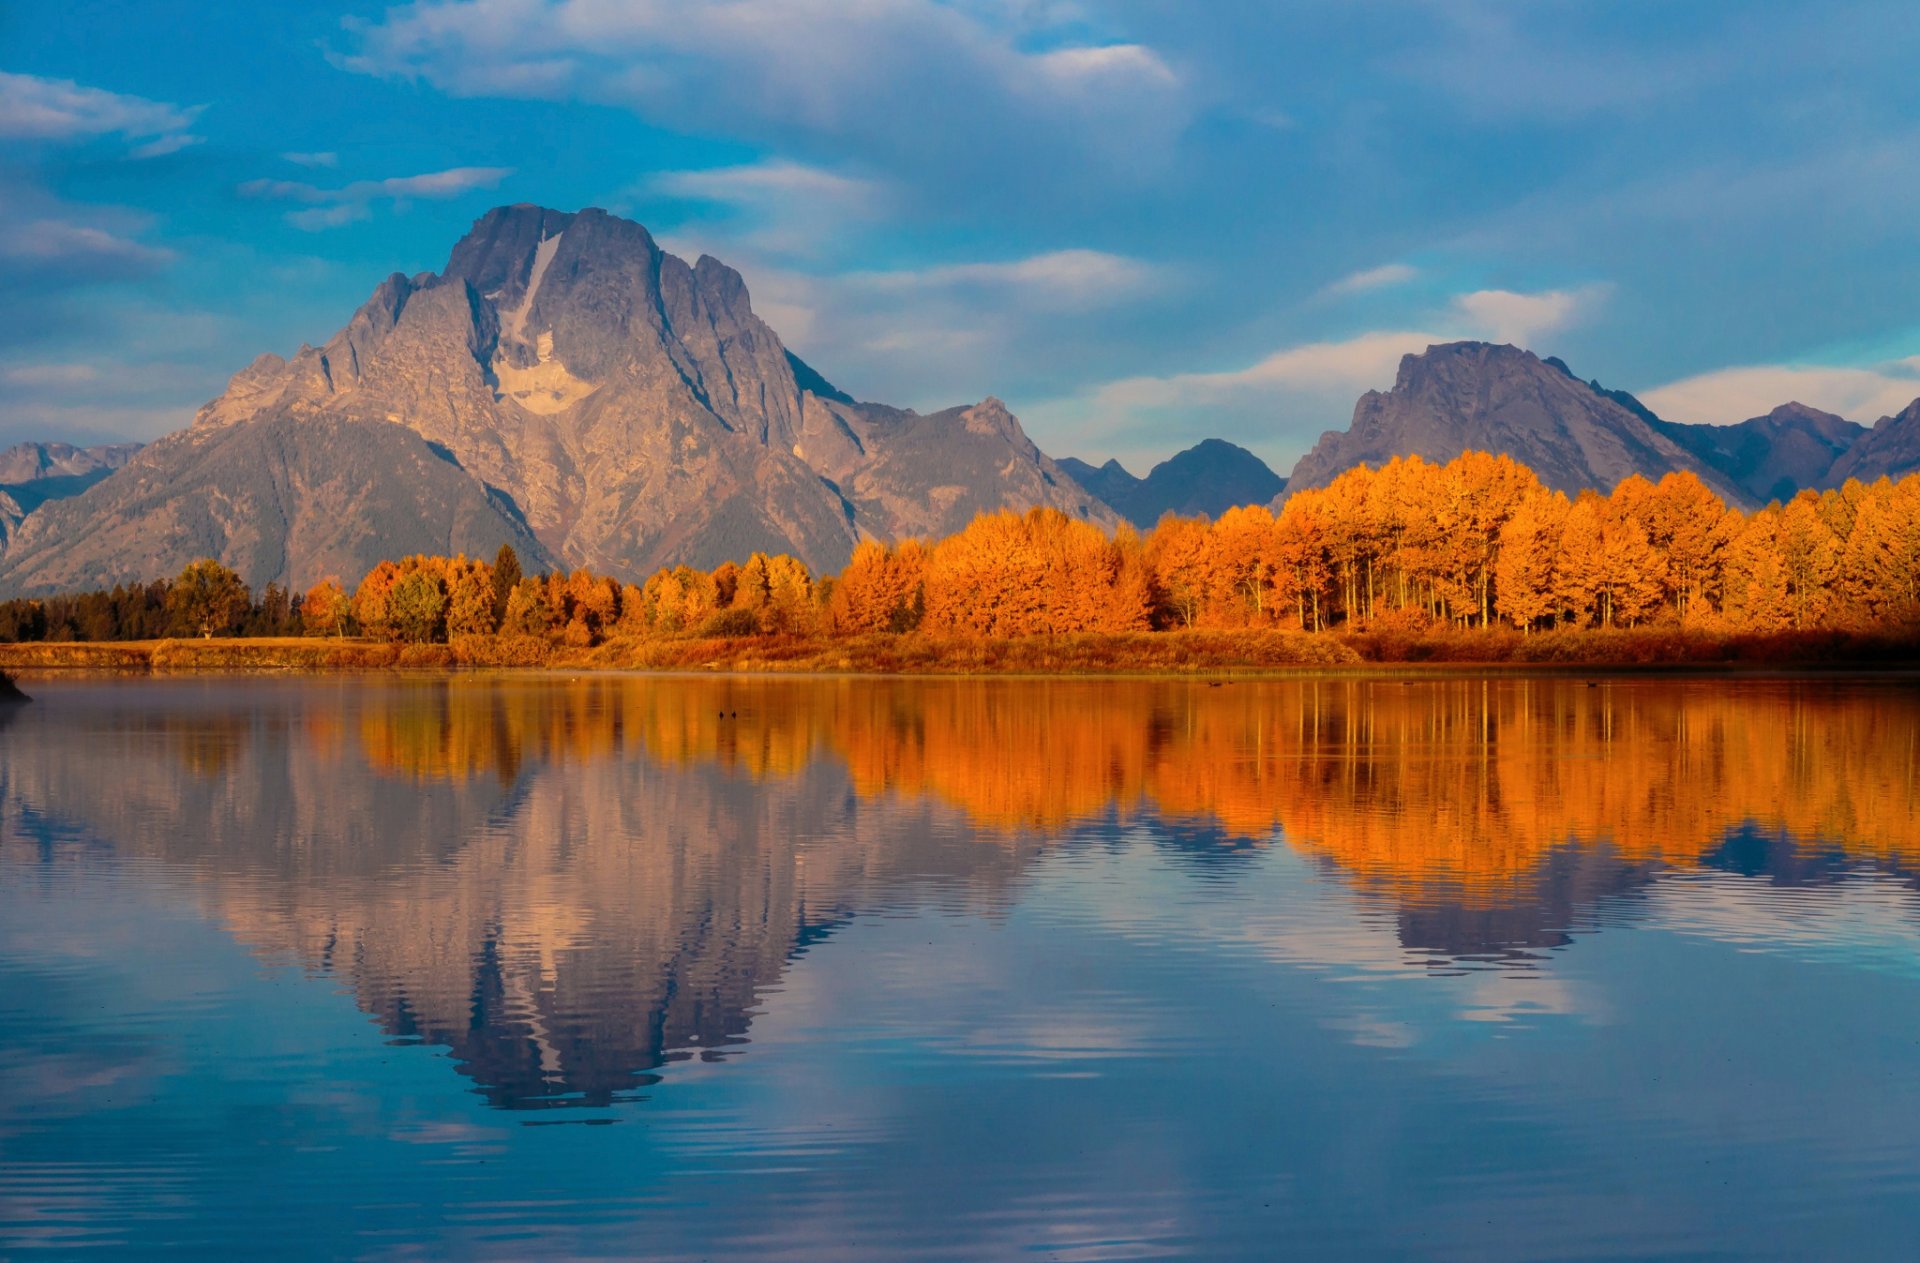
pixel 1138 653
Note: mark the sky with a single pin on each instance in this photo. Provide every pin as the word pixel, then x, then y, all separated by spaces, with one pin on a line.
pixel 1140 224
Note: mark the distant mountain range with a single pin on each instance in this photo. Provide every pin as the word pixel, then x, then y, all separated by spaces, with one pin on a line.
pixel 1208 478
pixel 33 473
pixel 565 386
pixel 1575 434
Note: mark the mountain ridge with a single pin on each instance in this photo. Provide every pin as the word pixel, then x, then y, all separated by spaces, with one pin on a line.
pixel 630 409
pixel 1207 479
pixel 1458 396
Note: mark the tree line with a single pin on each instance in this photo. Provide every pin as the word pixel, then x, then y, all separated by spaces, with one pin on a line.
pixel 1476 542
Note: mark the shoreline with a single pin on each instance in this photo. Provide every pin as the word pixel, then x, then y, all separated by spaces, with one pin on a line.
pixel 1197 655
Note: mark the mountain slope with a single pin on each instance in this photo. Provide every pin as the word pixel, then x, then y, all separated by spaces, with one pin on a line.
pixel 1473 395
pixel 277 499
pixel 1773 456
pixel 1890 449
pixel 1208 478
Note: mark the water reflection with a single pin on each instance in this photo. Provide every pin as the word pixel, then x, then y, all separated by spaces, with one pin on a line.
pixel 570 885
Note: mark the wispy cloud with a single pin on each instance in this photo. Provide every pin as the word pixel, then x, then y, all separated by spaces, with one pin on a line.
pixel 1348 366
pixel 763 184
pixel 34 108
pixel 1503 315
pixel 1385 276
pixel 330 208
pixel 1733 394
pixel 1056 280
pixel 940 94
pixel 324 158
pixel 775 207
pixel 38 375
pixel 81 248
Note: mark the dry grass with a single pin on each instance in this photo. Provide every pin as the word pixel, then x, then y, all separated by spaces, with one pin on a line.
pixel 1168 653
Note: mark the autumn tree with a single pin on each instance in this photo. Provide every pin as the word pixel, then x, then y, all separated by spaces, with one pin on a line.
pixel 323 610
pixel 504 579
pixel 207 599
pixel 417 607
pixel 881 590
pixel 1177 551
pixel 1529 543
pixel 471 598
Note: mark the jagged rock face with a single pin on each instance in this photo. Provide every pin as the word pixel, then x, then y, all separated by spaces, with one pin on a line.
pixel 33 462
pixel 33 473
pixel 1207 479
pixel 284 499
pixel 1465 396
pixel 1890 449
pixel 630 408
pixel 11 515
pixel 1774 456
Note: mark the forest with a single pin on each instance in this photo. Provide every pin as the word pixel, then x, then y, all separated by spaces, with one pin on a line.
pixel 1413 552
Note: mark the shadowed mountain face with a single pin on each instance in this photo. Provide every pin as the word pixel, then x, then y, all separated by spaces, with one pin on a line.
pixel 1208 478
pixel 1889 450
pixel 630 408
pixel 1774 456
pixel 1472 395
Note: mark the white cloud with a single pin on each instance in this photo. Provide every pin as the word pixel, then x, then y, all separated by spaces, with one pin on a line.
pixel 763 183
pixel 1057 280
pixel 1354 365
pixel 331 208
pixel 33 108
pixel 1382 277
pixel 1506 316
pixel 953 93
pixel 161 146
pixel 60 242
pixel 1733 394
pixel 326 158
pixel 787 208
pixel 1119 64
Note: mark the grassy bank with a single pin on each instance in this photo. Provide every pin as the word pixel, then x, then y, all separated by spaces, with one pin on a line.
pixel 1171 653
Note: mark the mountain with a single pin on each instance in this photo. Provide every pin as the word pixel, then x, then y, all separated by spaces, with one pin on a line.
pixel 1774 456
pixel 1475 395
pixel 11 515
pixel 573 382
pixel 281 498
pixel 33 473
pixel 1208 478
pixel 1890 449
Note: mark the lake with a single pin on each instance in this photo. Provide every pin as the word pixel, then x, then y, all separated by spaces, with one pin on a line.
pixel 1460 968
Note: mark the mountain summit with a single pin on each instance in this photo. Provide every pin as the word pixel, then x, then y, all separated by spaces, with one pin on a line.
pixel 1475 395
pixel 584 394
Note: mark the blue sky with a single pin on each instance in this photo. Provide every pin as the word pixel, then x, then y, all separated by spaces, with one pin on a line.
pixel 1138 223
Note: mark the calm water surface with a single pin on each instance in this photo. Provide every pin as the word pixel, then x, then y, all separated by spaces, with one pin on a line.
pixel 1471 969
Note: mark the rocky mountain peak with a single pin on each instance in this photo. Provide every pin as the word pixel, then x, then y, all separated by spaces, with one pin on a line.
pixel 498 248
pixel 1459 396
pixel 627 408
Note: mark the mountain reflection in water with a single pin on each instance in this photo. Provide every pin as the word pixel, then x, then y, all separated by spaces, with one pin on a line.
pixel 570 884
